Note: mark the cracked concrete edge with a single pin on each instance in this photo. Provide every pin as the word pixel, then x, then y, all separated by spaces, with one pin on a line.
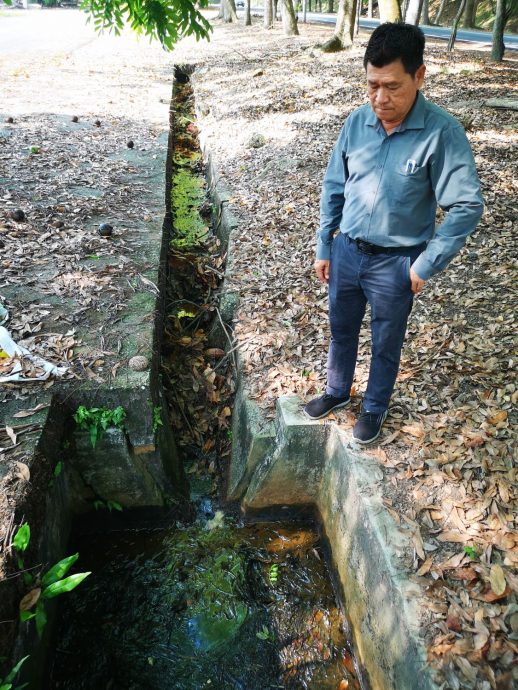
pixel 309 462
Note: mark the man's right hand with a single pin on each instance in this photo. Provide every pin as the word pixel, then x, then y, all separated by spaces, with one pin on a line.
pixel 321 267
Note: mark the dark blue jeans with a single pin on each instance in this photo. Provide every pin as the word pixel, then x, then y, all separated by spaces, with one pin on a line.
pixel 382 280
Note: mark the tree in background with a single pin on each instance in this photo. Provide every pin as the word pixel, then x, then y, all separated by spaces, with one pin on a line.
pixel 248 13
pixel 228 11
pixel 413 11
pixel 344 29
pixel 456 21
pixel 425 17
pixel 289 18
pixel 389 11
pixel 268 14
pixel 470 14
pixel 439 12
pixel 505 9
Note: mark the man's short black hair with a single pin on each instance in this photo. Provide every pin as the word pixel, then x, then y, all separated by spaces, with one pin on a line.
pixel 393 41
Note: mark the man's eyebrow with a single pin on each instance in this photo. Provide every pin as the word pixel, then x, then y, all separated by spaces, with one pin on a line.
pixel 389 83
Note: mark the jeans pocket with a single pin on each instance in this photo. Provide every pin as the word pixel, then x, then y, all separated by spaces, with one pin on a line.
pixel 407 264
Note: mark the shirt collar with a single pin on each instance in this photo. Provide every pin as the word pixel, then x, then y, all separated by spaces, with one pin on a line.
pixel 414 119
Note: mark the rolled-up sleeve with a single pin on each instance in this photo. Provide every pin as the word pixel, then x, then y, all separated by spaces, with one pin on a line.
pixel 332 199
pixel 457 191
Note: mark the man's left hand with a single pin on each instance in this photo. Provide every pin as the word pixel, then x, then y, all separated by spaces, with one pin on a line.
pixel 417 282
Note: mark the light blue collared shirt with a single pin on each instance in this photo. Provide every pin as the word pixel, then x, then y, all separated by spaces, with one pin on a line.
pixel 385 189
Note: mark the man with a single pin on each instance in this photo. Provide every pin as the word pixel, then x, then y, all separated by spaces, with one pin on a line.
pixel 395 160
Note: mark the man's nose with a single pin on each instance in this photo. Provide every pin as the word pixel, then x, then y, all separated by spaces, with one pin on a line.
pixel 382 96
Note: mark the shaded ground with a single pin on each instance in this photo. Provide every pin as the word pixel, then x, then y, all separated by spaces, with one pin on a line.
pixel 447 450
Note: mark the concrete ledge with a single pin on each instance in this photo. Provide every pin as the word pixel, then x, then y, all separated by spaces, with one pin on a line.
pixel 315 463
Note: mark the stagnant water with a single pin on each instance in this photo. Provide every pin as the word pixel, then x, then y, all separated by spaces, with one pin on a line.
pixel 206 606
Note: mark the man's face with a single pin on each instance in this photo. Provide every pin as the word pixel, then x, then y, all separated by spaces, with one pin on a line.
pixel 392 91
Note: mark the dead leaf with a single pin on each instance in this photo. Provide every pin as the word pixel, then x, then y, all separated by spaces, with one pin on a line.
pixel 500 416
pixel 416 430
pixel 30 599
pixel 27 413
pixel 497 579
pixel 22 471
pixel 11 434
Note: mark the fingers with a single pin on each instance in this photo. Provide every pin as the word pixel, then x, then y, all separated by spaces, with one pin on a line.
pixel 322 270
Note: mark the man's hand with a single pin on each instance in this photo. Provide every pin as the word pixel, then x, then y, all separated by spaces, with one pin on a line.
pixel 321 267
pixel 417 282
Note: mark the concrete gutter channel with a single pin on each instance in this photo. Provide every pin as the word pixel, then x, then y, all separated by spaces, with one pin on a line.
pixel 290 463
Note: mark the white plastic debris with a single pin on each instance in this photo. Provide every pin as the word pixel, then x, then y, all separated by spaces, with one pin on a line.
pixel 19 357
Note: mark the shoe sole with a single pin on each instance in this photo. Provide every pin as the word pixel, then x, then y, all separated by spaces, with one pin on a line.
pixel 336 407
pixel 371 440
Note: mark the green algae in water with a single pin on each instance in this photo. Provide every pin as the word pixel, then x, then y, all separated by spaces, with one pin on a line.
pixel 182 610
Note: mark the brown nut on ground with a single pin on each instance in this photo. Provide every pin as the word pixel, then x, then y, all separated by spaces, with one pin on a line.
pixel 139 363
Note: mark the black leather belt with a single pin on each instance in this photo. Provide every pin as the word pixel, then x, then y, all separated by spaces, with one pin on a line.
pixel 369 248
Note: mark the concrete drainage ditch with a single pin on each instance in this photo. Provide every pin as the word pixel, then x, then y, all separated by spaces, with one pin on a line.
pixel 278 468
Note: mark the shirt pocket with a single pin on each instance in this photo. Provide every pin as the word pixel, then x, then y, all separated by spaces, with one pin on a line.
pixel 410 184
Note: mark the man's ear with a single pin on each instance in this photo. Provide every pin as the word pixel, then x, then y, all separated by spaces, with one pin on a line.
pixel 419 76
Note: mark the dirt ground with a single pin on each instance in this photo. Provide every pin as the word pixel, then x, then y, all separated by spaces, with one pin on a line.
pixel 271 109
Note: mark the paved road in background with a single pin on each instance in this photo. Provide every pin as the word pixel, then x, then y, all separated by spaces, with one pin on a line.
pixel 479 38
pixel 43 32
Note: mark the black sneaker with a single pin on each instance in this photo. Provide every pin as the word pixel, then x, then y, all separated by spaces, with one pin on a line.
pixel 321 407
pixel 368 427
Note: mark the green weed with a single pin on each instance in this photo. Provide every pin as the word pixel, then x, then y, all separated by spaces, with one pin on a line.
pixel 7 682
pixel 52 583
pixel 96 420
pixel 157 418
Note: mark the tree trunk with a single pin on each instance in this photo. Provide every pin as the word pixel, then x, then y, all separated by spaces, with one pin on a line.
pixel 304 11
pixel 369 9
pixel 359 4
pixel 456 21
pixel 439 12
pixel 413 12
pixel 248 12
pixel 229 11
pixel 425 19
pixel 289 18
pixel 330 6
pixel 498 48
pixel 470 14
pixel 344 30
pixel 389 11
pixel 268 14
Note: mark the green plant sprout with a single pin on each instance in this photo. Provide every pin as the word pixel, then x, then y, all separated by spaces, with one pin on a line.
pixel 273 574
pixel 7 682
pixel 52 583
pixel 471 551
pixel 111 505
pixel 34 149
pixel 265 634
pixel 20 543
pixel 157 418
pixel 96 420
